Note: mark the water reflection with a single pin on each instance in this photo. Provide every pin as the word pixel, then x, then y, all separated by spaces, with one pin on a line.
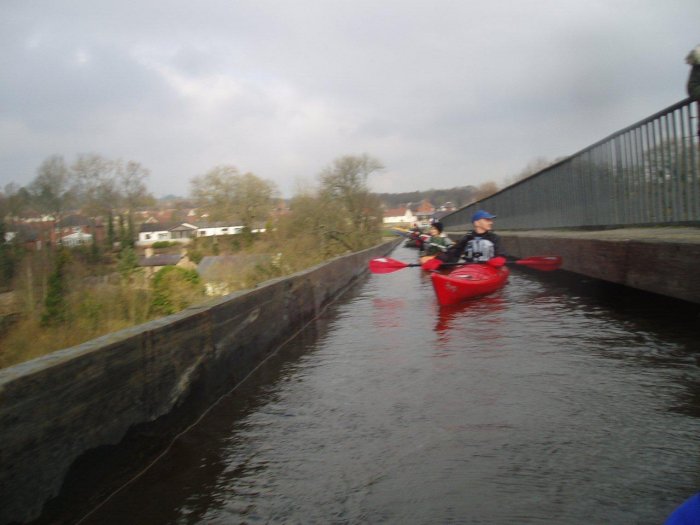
pixel 472 311
pixel 387 311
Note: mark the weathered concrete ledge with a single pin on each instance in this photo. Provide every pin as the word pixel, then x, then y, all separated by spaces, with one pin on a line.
pixel 659 260
pixel 56 408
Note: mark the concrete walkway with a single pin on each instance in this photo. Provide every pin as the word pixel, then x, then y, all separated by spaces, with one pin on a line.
pixel 663 260
pixel 653 235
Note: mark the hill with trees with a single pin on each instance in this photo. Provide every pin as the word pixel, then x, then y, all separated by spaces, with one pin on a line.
pixel 459 196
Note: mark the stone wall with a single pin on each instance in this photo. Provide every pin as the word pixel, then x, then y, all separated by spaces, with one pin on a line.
pixel 56 408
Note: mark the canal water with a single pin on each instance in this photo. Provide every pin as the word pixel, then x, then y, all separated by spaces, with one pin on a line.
pixel 556 400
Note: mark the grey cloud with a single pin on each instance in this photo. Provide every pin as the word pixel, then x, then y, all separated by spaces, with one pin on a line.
pixel 444 93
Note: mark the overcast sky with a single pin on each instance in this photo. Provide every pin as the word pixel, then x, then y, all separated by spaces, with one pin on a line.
pixel 443 92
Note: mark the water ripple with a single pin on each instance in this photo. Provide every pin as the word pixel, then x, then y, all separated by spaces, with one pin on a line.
pixel 551 401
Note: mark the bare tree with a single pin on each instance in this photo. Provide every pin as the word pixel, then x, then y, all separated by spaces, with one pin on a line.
pixel 99 194
pixel 133 194
pixel 131 185
pixel 53 190
pixel 253 199
pixel 13 201
pixel 215 192
pixel 224 194
pixel 484 190
pixel 358 211
pixel 534 166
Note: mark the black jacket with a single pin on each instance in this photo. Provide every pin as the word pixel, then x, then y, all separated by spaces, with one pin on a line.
pixel 457 250
pixel 694 82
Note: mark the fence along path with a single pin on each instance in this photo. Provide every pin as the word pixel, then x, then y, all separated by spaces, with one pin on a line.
pixel 645 174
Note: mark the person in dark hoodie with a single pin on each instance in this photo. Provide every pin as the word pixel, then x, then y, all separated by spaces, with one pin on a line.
pixel 479 245
pixel 693 86
pixel 693 60
pixel 436 243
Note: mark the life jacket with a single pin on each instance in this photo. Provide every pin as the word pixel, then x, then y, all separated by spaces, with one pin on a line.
pixel 480 250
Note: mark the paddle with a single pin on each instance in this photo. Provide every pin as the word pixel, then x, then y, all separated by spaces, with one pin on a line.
pixel 423 237
pixel 545 263
pixel 410 234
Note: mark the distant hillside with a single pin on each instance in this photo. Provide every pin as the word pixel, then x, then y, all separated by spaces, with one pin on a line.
pixel 460 196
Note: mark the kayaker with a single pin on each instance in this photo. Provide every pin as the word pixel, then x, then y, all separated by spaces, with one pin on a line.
pixel 438 242
pixel 415 234
pixel 479 245
pixel 693 85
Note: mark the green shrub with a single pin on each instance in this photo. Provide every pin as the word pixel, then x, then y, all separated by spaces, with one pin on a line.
pixel 195 255
pixel 55 308
pixel 175 289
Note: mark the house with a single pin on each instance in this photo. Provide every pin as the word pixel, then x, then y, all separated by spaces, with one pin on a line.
pixel 32 236
pixel 161 216
pixel 78 238
pixel 424 212
pixel 184 232
pixel 153 262
pixel 74 227
pixel 73 230
pixel 219 228
pixel 410 213
pixel 448 207
pixel 154 232
pixel 401 215
pixel 441 211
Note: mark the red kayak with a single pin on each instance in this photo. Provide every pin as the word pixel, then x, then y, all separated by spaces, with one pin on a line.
pixel 471 280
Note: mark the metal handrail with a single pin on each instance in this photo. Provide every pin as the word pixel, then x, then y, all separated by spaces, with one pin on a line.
pixel 645 174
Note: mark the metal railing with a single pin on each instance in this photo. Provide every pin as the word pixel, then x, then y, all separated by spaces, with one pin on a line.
pixel 645 174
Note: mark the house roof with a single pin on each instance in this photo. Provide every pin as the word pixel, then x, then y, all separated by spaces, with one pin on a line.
pixel 75 220
pixel 77 235
pixel 163 259
pixel 219 224
pixel 425 207
pixel 156 227
pixel 27 232
pixel 397 212
pixel 212 267
pixel 182 227
pixel 162 216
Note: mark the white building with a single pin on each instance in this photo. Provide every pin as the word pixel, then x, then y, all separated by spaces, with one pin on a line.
pixel 402 215
pixel 154 232
pixel 76 239
pixel 183 232
pixel 208 230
